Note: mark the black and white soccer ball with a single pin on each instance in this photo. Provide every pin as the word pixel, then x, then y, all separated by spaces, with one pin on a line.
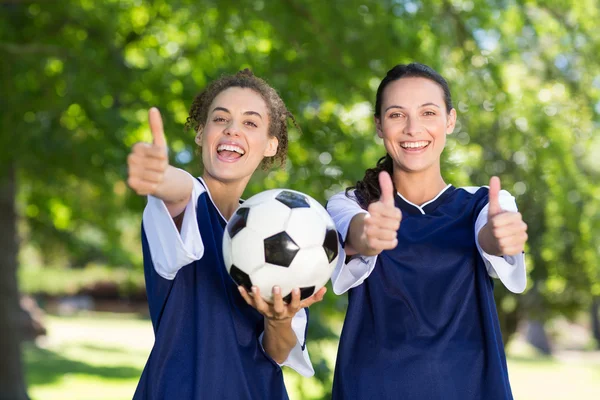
pixel 281 237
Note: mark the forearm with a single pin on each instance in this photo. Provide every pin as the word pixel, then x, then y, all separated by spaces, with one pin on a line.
pixel 175 190
pixel 487 241
pixel 279 339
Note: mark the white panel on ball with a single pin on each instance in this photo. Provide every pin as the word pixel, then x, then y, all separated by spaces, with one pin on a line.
pixel 268 218
pixel 262 197
pixel 227 250
pixel 306 227
pixel 310 267
pixel 270 275
pixel 319 209
pixel 247 250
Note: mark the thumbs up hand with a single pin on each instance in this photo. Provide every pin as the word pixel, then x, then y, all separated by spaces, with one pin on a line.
pixel 381 224
pixel 148 162
pixel 505 232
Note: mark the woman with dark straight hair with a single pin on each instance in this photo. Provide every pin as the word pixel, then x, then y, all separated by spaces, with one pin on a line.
pixel 421 322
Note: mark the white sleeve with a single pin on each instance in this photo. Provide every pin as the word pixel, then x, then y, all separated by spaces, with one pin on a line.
pixel 298 359
pixel 509 269
pixel 169 249
pixel 347 275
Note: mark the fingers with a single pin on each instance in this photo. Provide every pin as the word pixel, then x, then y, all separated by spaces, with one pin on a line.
pixel 494 197
pixel 385 216
pixel 145 173
pixel 514 244
pixel 387 189
pixel 259 303
pixel 278 304
pixel 506 219
pixel 156 126
pixel 315 298
pixel 147 163
pixel 380 245
pixel 380 227
pixel 295 302
pixel 279 310
pixel 510 233
pixel 148 150
pixel 246 296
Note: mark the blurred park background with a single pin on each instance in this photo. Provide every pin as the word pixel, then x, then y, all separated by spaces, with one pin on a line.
pixel 77 78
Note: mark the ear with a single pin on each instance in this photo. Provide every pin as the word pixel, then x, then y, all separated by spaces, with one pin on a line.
pixel 451 122
pixel 272 146
pixel 198 138
pixel 378 126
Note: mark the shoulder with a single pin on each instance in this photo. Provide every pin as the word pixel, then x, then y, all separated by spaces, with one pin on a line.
pixel 343 199
pixel 474 189
pixel 482 191
pixel 479 196
pixel 471 194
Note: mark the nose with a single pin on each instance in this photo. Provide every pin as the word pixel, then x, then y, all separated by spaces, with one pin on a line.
pixel 232 129
pixel 412 127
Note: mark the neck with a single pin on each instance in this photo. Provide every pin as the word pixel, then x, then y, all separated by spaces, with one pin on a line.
pixel 419 187
pixel 225 195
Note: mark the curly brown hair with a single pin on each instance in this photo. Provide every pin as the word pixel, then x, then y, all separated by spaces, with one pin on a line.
pixel 278 112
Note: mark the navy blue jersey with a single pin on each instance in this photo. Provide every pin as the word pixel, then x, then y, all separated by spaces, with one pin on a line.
pixel 423 324
pixel 206 336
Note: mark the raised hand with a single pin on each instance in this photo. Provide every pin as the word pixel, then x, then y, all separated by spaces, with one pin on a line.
pixel 381 224
pixel 507 228
pixel 148 162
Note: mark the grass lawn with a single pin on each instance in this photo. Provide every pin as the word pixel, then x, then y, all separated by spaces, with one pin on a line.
pixel 100 356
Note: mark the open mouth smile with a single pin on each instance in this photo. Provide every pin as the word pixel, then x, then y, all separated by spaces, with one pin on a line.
pixel 415 146
pixel 230 152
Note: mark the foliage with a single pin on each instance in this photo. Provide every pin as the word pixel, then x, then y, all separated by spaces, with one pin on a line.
pixel 524 74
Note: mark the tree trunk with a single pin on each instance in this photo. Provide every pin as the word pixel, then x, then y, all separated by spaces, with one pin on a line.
pixel 12 382
pixel 538 338
pixel 509 322
pixel 595 314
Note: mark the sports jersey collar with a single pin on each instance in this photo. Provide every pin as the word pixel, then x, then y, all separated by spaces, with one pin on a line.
pixel 427 207
pixel 211 199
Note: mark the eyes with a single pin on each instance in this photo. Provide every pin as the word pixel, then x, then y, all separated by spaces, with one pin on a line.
pixel 397 114
pixel 222 120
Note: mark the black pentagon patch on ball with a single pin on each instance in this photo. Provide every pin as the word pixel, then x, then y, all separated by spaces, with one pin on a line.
pixel 293 199
pixel 237 221
pixel 280 249
pixel 305 293
pixel 330 244
pixel 240 278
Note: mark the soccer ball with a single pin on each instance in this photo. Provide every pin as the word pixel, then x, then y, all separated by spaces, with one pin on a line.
pixel 282 238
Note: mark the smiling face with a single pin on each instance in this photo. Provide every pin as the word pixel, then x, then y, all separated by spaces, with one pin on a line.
pixel 414 122
pixel 235 137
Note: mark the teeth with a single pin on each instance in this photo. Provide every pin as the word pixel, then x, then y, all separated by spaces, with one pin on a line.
pixel 231 147
pixel 414 145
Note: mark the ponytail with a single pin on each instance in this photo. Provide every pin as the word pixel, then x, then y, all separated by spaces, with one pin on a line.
pixel 367 190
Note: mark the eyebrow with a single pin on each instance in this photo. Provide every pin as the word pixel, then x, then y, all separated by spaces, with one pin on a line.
pixel 402 108
pixel 229 112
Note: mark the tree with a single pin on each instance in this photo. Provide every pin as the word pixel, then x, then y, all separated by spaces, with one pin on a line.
pixel 81 76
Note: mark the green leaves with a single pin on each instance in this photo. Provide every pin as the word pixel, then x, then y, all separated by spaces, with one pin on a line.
pixel 78 79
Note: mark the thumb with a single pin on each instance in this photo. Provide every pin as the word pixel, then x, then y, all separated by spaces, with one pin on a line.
pixel 387 189
pixel 494 197
pixel 156 126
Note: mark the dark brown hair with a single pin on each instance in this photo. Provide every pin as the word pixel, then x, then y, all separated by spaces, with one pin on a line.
pixel 367 190
pixel 278 113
